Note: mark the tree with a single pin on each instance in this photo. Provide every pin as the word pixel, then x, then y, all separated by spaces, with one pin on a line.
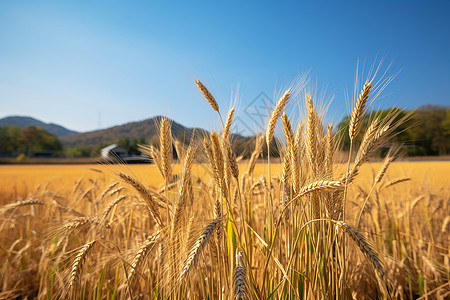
pixel 9 138
pixel 400 135
pixel 427 132
pixel 28 140
pixel 431 136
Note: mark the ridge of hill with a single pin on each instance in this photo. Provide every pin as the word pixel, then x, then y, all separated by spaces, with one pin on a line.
pixel 24 122
pixel 148 129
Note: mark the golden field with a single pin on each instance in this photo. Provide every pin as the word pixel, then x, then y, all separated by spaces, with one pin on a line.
pixel 205 227
pixel 428 179
pixel 20 180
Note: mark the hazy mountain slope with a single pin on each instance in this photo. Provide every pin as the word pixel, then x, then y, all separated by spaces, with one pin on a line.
pixel 24 122
pixel 147 129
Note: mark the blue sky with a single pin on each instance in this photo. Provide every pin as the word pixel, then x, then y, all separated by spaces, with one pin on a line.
pixel 85 64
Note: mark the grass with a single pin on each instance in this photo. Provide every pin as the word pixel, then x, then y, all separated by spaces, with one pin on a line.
pixel 207 226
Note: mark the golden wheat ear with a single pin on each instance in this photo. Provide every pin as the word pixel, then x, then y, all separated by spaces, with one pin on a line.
pixel 141 255
pixel 183 196
pixel 359 111
pixel 146 196
pixel 259 143
pixel 240 278
pixel 281 104
pixel 197 249
pixel 228 123
pixel 207 95
pixel 366 248
pixel 165 142
pixel 78 263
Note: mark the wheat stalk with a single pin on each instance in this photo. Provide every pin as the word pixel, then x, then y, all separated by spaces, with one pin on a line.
pixel 387 161
pixel 210 155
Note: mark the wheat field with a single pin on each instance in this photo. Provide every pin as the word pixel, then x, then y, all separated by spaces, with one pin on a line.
pixel 210 226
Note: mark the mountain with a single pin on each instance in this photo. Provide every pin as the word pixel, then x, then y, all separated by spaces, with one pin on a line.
pixel 24 122
pixel 147 129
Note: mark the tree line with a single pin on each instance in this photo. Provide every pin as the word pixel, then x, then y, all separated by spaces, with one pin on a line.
pixel 426 132
pixel 30 140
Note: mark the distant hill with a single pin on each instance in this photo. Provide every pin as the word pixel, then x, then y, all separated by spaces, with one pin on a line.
pixel 24 122
pixel 147 129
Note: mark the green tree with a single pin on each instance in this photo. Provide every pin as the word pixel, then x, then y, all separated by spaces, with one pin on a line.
pixel 9 138
pixel 401 133
pixel 33 139
pixel 430 135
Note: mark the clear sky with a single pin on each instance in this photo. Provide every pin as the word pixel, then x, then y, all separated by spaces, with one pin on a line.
pixel 94 64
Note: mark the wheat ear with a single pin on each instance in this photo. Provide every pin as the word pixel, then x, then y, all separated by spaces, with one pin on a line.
pixel 10 207
pixel 145 194
pixel 110 206
pixel 231 159
pixel 207 95
pixel 239 278
pixel 105 191
pixel 141 255
pixel 154 155
pixel 78 263
pixel 210 155
pixel 359 110
pixel 310 136
pixel 197 249
pixel 219 163
pixel 180 204
pixel 165 141
pixel 276 114
pixel 79 222
pixel 293 152
pixel 285 175
pixel 320 185
pixel 329 150
pixel 228 122
pixel 397 181
pixel 255 154
pixel 366 248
